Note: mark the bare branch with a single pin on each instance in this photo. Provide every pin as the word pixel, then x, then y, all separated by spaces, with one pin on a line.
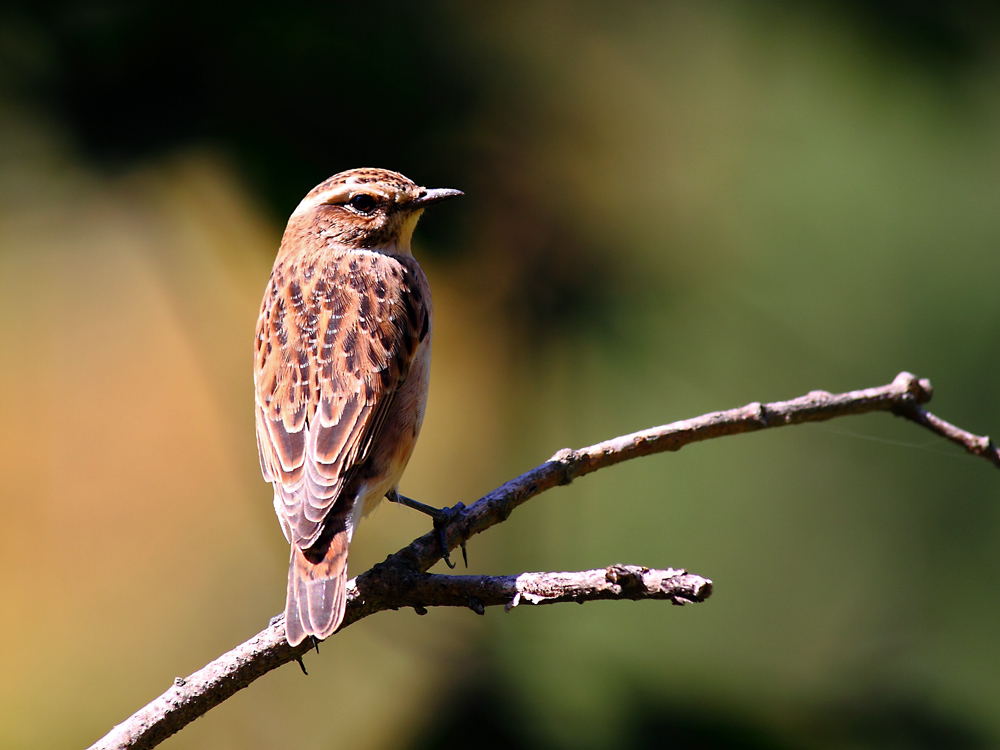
pixel 902 397
pixel 391 587
pixel 616 582
pixel 402 579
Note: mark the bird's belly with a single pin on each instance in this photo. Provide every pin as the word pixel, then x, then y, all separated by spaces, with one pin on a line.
pixel 399 434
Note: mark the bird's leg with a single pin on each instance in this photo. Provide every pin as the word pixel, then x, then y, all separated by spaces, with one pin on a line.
pixel 442 517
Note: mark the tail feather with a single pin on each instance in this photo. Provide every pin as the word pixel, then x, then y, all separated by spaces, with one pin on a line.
pixel 317 592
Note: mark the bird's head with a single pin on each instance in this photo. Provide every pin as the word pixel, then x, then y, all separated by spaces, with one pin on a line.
pixel 367 209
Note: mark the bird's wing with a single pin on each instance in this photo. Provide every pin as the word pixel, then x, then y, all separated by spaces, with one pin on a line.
pixel 333 346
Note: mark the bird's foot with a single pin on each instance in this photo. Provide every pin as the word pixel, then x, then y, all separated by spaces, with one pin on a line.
pixel 442 517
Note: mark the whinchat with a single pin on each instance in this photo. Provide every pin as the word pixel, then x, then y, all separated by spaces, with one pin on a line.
pixel 341 368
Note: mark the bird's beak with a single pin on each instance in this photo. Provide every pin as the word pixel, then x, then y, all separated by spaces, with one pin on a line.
pixel 434 196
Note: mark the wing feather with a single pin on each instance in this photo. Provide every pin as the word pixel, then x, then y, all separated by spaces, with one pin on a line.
pixel 334 343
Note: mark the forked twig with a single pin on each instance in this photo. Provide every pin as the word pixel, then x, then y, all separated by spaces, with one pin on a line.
pixel 402 580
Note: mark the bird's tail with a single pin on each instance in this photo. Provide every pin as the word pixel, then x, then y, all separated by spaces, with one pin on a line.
pixel 317 590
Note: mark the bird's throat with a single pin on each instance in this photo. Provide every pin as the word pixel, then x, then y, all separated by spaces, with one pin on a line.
pixel 405 235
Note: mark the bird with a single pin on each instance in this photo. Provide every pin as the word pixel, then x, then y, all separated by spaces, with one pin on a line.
pixel 341 370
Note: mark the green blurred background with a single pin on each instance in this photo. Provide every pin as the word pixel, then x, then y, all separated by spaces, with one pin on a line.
pixel 671 208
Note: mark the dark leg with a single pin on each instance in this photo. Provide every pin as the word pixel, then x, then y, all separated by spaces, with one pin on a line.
pixel 442 517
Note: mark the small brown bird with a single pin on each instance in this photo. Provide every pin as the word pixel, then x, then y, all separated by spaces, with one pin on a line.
pixel 341 368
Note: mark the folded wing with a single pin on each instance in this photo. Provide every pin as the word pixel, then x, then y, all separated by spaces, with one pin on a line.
pixel 334 343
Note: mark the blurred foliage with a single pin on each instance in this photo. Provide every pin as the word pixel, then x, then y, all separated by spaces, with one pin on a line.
pixel 671 208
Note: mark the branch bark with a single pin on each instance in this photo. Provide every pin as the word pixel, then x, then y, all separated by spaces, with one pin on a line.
pixel 615 582
pixel 402 580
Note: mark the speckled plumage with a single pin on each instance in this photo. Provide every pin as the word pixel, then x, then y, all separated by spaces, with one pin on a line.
pixel 341 367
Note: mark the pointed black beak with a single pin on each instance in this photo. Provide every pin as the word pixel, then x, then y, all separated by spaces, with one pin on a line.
pixel 436 195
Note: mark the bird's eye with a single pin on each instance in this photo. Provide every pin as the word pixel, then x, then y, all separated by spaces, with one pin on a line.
pixel 362 203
